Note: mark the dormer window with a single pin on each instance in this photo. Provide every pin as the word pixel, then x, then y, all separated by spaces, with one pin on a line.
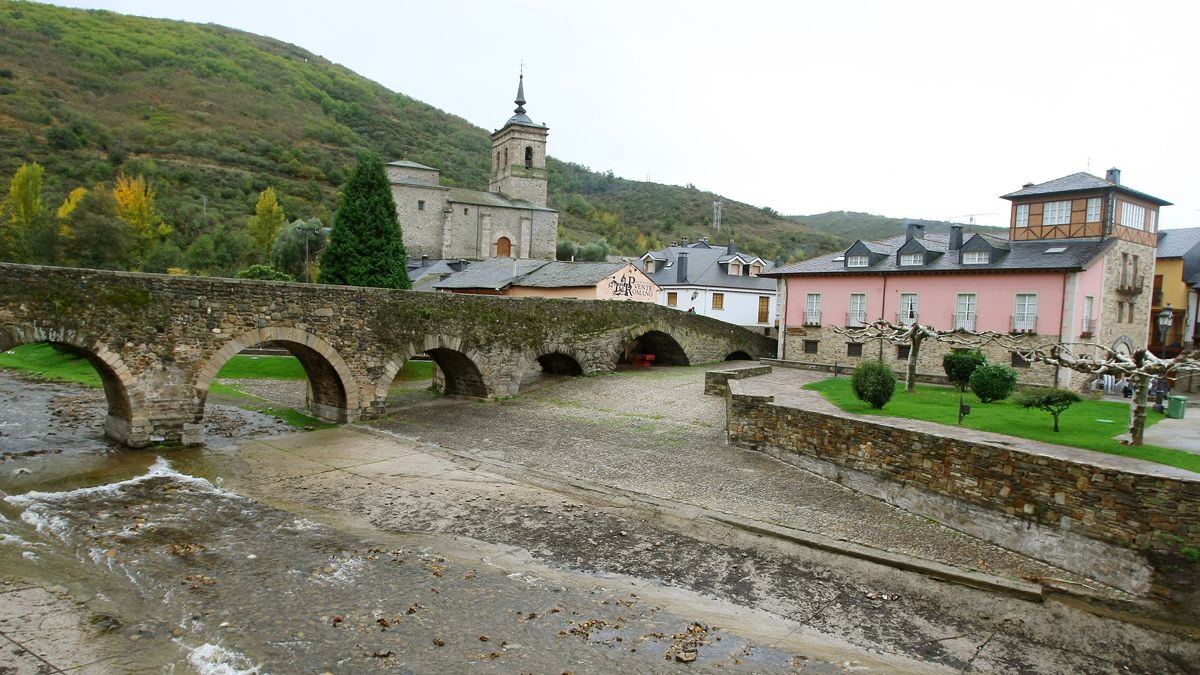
pixel 649 265
pixel 857 261
pixel 975 257
pixel 735 269
pixel 912 259
pixel 756 269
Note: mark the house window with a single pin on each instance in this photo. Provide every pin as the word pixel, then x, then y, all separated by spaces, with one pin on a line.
pixel 857 316
pixel 902 352
pixel 764 308
pixel 735 269
pixel 1088 326
pixel 810 346
pixel 1154 221
pixel 853 349
pixel 1022 215
pixel 975 257
pixel 1120 311
pixel 1093 210
pixel 1057 213
pixel 1025 314
pixel 1018 361
pixel 718 301
pixel 649 266
pixel 1133 216
pixel 907 315
pixel 672 299
pixel 912 259
pixel 420 204
pixel 1124 269
pixel 812 310
pixel 964 312
pixel 755 269
pixel 856 261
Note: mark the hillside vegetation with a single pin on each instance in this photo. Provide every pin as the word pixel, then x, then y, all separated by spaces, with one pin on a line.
pixel 869 227
pixel 212 116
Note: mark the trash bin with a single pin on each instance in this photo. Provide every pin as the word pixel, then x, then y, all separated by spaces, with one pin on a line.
pixel 1176 405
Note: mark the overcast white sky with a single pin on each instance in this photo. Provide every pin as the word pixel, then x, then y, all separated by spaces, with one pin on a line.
pixel 906 109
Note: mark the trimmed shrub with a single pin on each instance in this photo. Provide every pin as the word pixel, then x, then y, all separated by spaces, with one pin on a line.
pixel 960 364
pixel 263 273
pixel 873 382
pixel 993 382
pixel 1053 401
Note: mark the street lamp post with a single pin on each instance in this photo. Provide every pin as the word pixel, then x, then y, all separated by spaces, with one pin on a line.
pixel 1164 319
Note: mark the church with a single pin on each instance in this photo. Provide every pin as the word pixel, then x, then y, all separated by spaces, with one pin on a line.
pixel 510 219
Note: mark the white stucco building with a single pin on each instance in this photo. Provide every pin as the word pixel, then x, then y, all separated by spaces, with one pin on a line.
pixel 719 282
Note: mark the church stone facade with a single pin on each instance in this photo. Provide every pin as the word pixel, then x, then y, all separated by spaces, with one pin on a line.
pixel 511 219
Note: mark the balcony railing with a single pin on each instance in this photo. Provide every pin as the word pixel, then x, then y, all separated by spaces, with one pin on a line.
pixel 1024 323
pixel 1087 328
pixel 856 319
pixel 1131 285
pixel 964 321
pixel 907 318
pixel 812 318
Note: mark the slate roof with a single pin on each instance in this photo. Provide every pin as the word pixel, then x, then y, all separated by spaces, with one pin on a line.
pixel 1177 243
pixel 410 165
pixel 482 198
pixel 493 274
pixel 704 268
pixel 1020 256
pixel 1078 182
pixel 560 274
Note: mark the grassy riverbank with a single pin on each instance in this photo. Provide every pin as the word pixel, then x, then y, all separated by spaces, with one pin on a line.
pixel 1089 424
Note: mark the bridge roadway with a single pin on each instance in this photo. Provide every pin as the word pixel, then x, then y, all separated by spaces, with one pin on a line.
pixel 158 341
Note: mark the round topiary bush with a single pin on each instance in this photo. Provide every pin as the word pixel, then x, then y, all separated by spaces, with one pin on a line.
pixel 993 382
pixel 873 382
pixel 960 364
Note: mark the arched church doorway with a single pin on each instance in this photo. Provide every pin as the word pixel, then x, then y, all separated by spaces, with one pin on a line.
pixel 504 247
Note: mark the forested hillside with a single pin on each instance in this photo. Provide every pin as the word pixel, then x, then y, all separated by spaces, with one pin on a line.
pixel 868 227
pixel 210 117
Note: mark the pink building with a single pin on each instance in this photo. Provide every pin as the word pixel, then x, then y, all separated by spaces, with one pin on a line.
pixel 1073 268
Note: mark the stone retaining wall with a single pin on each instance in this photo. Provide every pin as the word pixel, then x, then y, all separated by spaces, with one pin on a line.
pixel 716 381
pixel 1135 531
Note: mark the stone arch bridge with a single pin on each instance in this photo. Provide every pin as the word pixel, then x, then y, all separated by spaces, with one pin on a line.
pixel 158 341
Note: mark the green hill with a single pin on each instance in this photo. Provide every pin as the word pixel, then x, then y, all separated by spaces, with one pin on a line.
pixel 212 116
pixel 869 227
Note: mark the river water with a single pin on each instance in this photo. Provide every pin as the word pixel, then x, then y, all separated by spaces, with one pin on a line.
pixel 172 572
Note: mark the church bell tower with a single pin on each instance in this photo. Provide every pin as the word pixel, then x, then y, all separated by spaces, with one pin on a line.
pixel 519 155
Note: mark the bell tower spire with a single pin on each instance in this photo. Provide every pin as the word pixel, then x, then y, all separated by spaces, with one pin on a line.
pixel 519 154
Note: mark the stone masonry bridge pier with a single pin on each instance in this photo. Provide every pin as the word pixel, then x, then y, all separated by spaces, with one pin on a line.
pixel 158 341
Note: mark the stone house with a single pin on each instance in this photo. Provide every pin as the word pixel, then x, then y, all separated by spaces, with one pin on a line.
pixel 1073 268
pixel 509 219
pixel 552 279
pixel 716 281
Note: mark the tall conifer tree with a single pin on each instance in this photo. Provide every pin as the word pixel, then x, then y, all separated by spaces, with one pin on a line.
pixel 366 247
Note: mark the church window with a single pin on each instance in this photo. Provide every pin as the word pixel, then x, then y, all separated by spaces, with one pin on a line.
pixel 528 157
pixel 420 204
pixel 506 157
pixel 466 212
pixel 497 160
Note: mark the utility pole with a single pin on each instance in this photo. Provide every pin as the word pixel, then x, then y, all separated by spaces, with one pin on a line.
pixel 717 215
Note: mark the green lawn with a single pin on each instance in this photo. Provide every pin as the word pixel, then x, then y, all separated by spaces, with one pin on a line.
pixel 1089 424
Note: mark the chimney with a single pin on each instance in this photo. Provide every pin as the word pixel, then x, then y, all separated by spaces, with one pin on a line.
pixel 681 267
pixel 955 237
pixel 1113 175
pixel 914 231
pixel 685 242
pixel 424 260
pixel 730 249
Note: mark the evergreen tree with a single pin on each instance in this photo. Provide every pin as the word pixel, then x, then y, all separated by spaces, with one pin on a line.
pixel 366 248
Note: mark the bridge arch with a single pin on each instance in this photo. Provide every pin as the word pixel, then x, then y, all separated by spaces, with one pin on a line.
pixel 459 366
pixel 335 396
pixel 739 355
pixel 655 340
pixel 125 421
